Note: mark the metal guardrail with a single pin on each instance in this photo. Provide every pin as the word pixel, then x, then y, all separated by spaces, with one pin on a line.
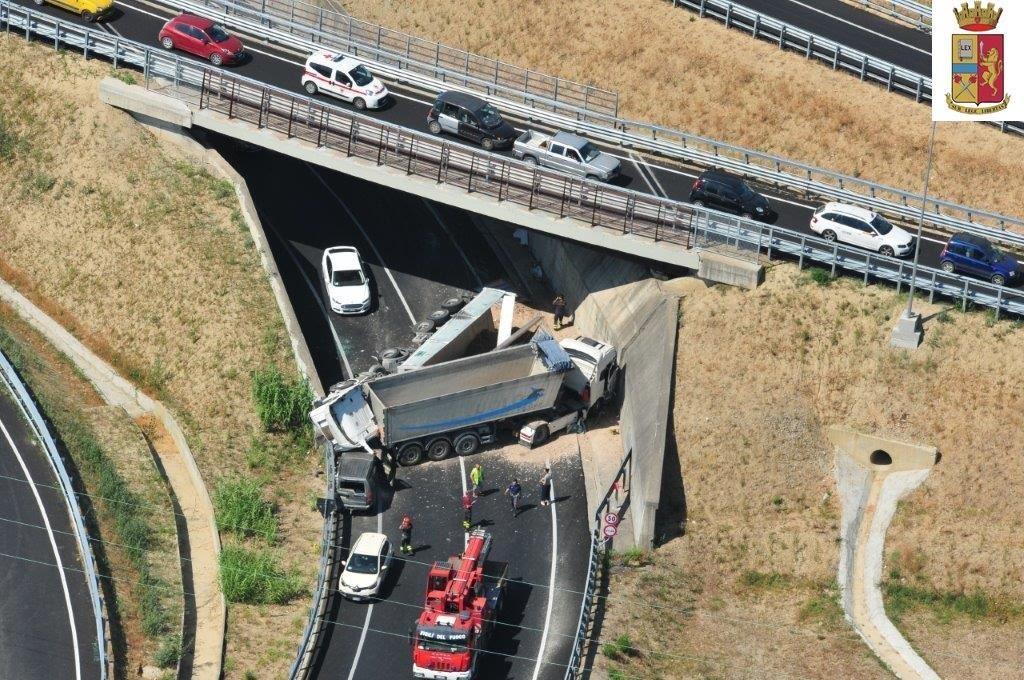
pixel 38 424
pixel 411 55
pixel 893 77
pixel 613 209
pixel 303 663
pixel 598 547
pixel 689 148
pixel 914 13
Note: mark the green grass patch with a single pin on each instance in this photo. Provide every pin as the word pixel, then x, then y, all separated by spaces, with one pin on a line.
pixel 901 598
pixel 126 77
pixel 241 509
pixel 281 404
pixel 10 141
pixel 169 653
pixel 621 647
pixel 765 581
pixel 254 577
pixel 820 276
pixel 825 608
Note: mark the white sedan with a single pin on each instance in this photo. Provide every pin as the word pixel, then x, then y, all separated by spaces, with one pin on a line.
pixel 861 228
pixel 366 567
pixel 347 286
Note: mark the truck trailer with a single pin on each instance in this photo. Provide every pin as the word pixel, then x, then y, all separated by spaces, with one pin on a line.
pixel 543 386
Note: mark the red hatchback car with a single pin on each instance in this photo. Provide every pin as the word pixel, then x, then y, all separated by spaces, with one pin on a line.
pixel 202 37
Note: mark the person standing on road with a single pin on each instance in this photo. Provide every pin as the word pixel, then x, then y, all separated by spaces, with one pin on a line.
pixel 476 476
pixel 406 528
pixel 559 304
pixel 545 487
pixel 467 510
pixel 513 491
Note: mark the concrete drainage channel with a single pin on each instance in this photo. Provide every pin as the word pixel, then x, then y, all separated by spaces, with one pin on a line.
pixel 873 474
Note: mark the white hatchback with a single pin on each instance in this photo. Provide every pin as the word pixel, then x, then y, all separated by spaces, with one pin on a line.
pixel 366 567
pixel 861 228
pixel 345 78
pixel 348 289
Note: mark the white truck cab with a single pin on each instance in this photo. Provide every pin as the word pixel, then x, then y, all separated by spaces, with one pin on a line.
pixel 597 369
pixel 345 78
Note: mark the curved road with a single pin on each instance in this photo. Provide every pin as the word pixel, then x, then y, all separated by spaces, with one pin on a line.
pixel 47 630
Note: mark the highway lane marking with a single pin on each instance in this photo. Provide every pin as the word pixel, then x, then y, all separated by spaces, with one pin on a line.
pixel 53 545
pixel 369 609
pixel 551 584
pixel 366 236
pixel 641 167
pixel 316 294
pixel 462 253
pixel 858 26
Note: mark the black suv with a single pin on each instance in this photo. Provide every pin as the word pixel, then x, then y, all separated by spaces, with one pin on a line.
pixel 470 117
pixel 722 191
pixel 358 480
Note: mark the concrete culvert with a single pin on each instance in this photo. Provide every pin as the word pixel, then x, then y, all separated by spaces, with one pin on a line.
pixel 880 457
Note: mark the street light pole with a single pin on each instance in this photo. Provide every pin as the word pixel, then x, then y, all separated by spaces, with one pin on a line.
pixel 908 330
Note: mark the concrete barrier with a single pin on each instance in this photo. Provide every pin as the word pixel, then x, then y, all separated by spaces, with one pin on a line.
pixel 142 101
pixel 615 300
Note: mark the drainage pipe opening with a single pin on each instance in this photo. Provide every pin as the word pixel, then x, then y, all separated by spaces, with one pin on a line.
pixel 880 457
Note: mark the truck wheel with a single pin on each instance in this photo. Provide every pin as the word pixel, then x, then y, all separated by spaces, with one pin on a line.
pixel 439 449
pixel 530 159
pixel 424 326
pixel 377 369
pixel 466 443
pixel 439 316
pixel 540 435
pixel 452 305
pixel 410 454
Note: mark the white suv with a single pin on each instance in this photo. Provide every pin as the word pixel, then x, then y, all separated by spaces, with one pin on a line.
pixel 366 567
pixel 347 286
pixel 861 228
pixel 345 78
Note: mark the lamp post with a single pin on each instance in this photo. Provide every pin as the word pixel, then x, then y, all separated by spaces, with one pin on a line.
pixel 908 331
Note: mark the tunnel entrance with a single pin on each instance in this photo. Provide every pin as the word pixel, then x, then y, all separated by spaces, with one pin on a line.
pixel 880 457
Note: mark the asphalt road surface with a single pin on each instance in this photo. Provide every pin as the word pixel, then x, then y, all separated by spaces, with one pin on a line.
pixel 45 612
pixel 419 253
pixel 283 69
pixel 854 27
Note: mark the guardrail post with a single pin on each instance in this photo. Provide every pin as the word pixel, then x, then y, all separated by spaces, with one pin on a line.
pixel 412 152
pixel 728 16
pixel 931 291
pixel 380 144
pixel 757 25
pixel 999 302
pixel 703 8
pixel 835 57
pixel 892 76
pixel 782 36
pixel 810 46
pixel 291 115
pixel 863 67
pixel 325 121
pixel 145 66
pixel 965 297
pixel 920 91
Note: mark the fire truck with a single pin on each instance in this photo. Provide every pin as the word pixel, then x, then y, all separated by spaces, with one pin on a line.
pixel 464 596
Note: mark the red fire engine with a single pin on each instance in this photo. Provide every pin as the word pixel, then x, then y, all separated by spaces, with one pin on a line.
pixel 464 595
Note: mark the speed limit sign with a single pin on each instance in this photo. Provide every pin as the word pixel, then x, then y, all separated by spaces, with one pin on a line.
pixel 610 530
pixel 611 518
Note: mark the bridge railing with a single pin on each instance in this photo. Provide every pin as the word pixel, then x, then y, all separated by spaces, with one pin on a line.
pixel 390 48
pixel 894 78
pixel 667 142
pixel 914 13
pixel 630 213
pixel 38 424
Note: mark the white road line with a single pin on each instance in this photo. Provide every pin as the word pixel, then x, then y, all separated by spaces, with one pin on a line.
pixel 316 294
pixel 551 584
pixel 462 466
pixel 462 253
pixel 53 545
pixel 369 609
pixel 366 236
pixel 862 28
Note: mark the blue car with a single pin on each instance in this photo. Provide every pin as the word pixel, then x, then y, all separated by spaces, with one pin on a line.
pixel 975 256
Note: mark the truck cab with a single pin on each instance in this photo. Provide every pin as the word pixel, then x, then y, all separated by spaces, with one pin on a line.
pixel 597 369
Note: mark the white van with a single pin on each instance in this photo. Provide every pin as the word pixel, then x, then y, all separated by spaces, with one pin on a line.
pixel 345 78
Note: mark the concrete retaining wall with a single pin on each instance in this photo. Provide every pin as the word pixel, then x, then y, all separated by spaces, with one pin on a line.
pixel 614 300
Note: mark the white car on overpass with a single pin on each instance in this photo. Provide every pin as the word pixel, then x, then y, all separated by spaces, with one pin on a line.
pixel 348 289
pixel 345 78
pixel 366 567
pixel 862 228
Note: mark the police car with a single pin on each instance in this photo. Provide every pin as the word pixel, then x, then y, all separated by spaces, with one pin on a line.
pixel 345 78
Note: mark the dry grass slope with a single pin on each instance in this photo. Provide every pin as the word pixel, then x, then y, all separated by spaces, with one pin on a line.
pixel 674 69
pixel 145 258
pixel 760 378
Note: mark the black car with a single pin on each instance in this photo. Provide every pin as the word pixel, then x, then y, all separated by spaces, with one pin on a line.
pixel 358 480
pixel 722 191
pixel 471 118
